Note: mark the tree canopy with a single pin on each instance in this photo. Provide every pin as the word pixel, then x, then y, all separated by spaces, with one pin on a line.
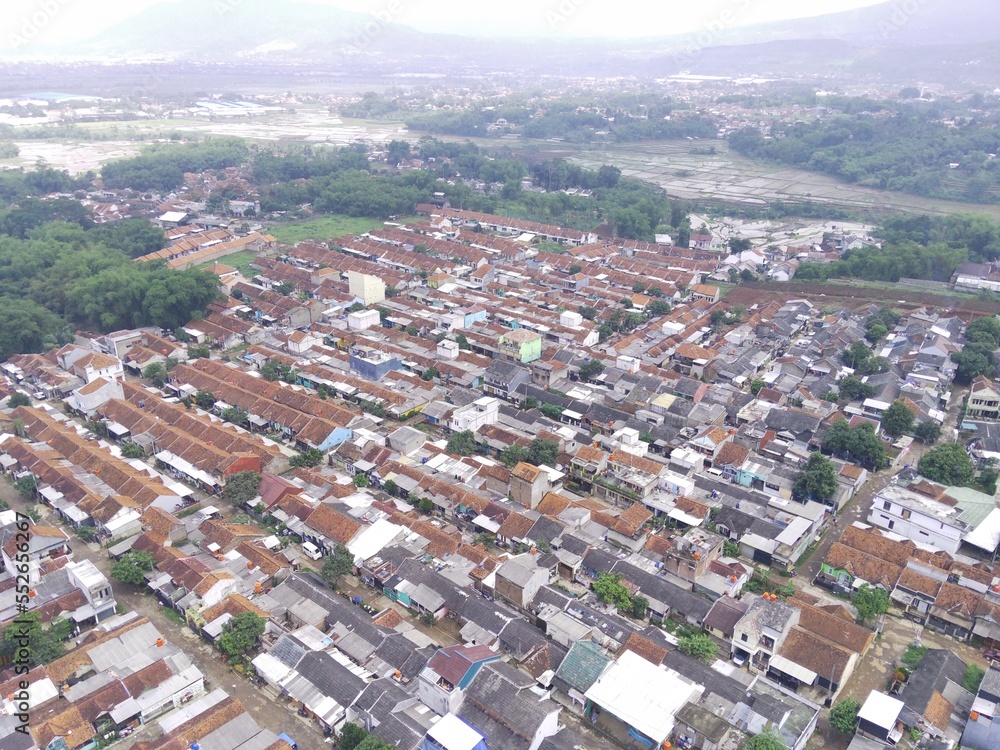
pixel 870 602
pixel 241 487
pixel 132 567
pixel 338 563
pixel 859 444
pixel 897 419
pixel 947 463
pixel 462 443
pixel 818 478
pixel 241 634
pixel 698 645
pixel 844 715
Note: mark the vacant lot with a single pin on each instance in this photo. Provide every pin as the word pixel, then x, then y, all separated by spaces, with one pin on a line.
pixel 325 228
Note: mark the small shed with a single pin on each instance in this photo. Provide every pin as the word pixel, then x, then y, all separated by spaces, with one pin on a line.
pixel 879 717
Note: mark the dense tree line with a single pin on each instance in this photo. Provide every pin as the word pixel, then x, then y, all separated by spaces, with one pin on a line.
pixel 161 167
pixel 911 151
pixel 61 277
pixel 918 247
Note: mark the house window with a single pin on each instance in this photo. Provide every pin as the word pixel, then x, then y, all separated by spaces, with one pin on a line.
pixel 743 637
pixel 891 524
pixel 886 505
pixel 905 513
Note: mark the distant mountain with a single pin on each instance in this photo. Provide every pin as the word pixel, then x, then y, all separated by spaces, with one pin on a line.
pixel 953 38
pixel 899 23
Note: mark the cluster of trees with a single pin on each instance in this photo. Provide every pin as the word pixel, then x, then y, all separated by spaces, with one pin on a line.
pixel 40 645
pixel 241 635
pixel 948 463
pixel 910 151
pixel 863 360
pixel 570 119
pixel 918 247
pixel 241 487
pixel 539 452
pixel 61 277
pixel 131 568
pixel 161 167
pixel 818 478
pixel 609 589
pixel 978 355
pixel 859 444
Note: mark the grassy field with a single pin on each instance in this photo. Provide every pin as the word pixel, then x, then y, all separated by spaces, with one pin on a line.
pixel 325 228
pixel 240 261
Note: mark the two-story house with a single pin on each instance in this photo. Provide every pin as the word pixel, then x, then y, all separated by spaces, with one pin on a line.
pixel 761 632
pixel 935 521
pixel 984 399
pixel 441 684
pixel 502 377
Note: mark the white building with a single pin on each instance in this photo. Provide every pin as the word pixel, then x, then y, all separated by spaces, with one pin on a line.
pixel 369 289
pixel 361 320
pixel 927 521
pixel 479 413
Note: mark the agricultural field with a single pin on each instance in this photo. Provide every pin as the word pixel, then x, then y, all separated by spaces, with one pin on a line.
pixel 729 177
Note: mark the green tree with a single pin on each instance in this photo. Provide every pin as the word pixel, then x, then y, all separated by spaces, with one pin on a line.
pixel 237 416
pixel 973 676
pixel 360 480
pixel 390 487
pixel 698 645
pixel 462 341
pixel 430 373
pixel 766 740
pixel 86 533
pixel 312 457
pixel 974 360
pixel 241 487
pixel 853 389
pixel 426 505
pixel 860 444
pixel 543 451
pixel 591 369
pixel 18 399
pixel 928 432
pixel 132 567
pixel 241 634
pixel 897 419
pixel 156 374
pixel 609 589
pixel 856 355
pixel 876 333
pixel 818 478
pixel 640 605
pixel 132 450
pixel 844 716
pixel 756 386
pixel 870 602
pixel 552 411
pixel 462 443
pixel 512 455
pixel 351 736
pixel 205 399
pixel 41 646
pixel 338 563
pixel 587 312
pixel 947 463
pixel 26 486
pixel 199 351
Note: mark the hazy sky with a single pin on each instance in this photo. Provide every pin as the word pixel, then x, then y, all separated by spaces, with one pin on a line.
pixel 58 21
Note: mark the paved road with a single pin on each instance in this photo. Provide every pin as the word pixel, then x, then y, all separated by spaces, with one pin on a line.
pixel 858 506
pixel 267 711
